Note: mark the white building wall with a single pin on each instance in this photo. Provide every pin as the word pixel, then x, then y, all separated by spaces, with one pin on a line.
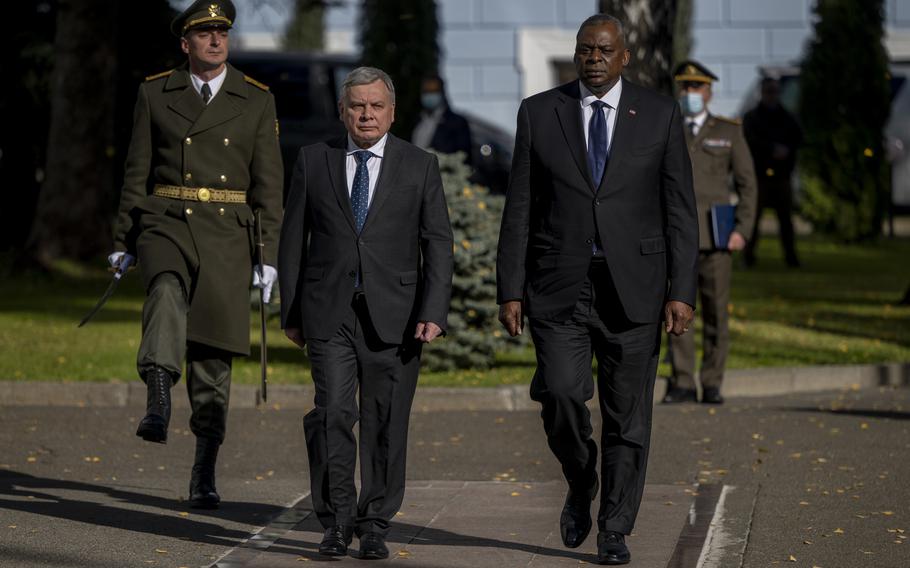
pixel 495 52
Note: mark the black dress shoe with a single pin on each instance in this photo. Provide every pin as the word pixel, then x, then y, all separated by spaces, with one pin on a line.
pixel 203 494
pixel 153 428
pixel 575 520
pixel 711 395
pixel 372 546
pixel 611 548
pixel 675 395
pixel 336 540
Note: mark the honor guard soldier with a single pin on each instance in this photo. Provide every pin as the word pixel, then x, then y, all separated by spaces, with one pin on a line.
pixel 203 164
pixel 718 152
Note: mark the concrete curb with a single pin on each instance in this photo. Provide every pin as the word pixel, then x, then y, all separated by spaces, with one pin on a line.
pixel 738 383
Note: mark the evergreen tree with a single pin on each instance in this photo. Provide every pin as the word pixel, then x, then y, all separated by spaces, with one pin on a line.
pixel 474 333
pixel 844 105
pixel 306 31
pixel 399 37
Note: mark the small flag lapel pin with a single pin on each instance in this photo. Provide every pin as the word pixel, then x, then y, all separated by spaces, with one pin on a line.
pixel 632 111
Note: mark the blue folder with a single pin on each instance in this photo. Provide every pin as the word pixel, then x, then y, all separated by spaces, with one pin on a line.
pixel 723 219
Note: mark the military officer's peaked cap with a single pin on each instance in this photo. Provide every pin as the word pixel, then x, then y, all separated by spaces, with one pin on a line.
pixel 693 72
pixel 205 13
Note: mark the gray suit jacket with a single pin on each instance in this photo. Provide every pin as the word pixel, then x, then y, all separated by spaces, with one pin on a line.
pixel 404 251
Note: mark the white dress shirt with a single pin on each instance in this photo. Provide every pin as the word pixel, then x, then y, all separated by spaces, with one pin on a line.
pixel 699 121
pixel 373 164
pixel 214 84
pixel 611 98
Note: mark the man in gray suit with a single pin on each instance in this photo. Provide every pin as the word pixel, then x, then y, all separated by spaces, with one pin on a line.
pixel 365 264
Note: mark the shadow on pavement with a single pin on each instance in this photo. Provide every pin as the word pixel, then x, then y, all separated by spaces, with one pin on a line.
pixel 863 412
pixel 37 495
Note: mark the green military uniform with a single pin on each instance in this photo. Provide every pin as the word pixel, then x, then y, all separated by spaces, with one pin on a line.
pixel 718 153
pixel 195 176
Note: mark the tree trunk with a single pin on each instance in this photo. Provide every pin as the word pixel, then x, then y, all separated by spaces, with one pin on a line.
pixel 657 35
pixel 71 220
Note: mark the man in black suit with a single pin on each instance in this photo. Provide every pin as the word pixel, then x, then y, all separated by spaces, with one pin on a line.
pixel 599 242
pixel 440 128
pixel 365 264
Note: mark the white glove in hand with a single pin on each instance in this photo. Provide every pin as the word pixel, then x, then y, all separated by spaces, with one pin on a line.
pixel 121 260
pixel 265 281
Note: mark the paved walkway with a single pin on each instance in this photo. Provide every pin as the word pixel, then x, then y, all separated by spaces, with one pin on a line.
pixel 449 524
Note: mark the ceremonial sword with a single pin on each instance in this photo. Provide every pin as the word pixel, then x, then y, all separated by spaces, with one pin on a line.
pixel 263 356
pixel 118 274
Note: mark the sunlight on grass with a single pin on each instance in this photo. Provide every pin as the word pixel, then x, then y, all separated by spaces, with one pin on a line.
pixel 839 308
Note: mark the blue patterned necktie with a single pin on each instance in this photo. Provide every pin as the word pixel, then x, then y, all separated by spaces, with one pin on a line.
pixel 597 142
pixel 360 189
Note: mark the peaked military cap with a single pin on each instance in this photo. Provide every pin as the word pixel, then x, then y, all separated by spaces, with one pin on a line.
pixel 208 13
pixel 693 72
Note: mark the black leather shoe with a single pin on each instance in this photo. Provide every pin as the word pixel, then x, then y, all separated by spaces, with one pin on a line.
pixel 153 428
pixel 675 395
pixel 711 395
pixel 372 547
pixel 336 540
pixel 612 549
pixel 575 520
pixel 203 494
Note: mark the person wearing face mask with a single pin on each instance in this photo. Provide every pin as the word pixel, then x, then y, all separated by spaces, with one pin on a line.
pixel 718 152
pixel 440 128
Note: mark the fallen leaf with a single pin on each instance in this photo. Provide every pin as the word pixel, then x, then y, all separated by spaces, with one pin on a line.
pixel 515 494
pixel 792 558
pixel 838 531
pixel 160 551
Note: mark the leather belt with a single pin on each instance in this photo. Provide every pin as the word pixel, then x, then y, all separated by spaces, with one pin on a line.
pixel 204 194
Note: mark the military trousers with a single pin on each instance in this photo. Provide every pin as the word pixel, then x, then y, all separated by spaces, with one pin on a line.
pixel 626 354
pixel 714 273
pixel 355 359
pixel 164 344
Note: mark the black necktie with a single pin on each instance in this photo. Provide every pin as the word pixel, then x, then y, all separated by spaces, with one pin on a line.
pixel 206 93
pixel 597 142
pixel 693 128
pixel 360 188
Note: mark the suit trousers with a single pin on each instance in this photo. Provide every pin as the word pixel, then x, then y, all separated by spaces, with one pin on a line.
pixel 626 354
pixel 164 344
pixel 714 273
pixel 386 376
pixel 776 193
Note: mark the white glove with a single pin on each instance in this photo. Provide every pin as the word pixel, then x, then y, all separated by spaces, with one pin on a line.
pixel 265 281
pixel 120 261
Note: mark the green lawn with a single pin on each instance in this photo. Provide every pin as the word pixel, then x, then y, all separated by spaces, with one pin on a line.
pixel 839 308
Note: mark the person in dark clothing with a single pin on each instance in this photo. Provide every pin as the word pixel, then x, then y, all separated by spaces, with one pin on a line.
pixel 440 128
pixel 773 136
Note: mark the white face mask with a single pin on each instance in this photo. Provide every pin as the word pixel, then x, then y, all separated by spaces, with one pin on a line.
pixel 692 103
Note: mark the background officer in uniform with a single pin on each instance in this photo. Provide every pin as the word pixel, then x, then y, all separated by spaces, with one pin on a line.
pixel 203 159
pixel 718 149
pixel 774 136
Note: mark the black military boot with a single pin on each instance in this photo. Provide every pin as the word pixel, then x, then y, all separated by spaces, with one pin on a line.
pixel 203 494
pixel 153 428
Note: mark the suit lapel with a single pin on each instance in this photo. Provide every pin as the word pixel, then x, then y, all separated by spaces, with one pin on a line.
pixel 388 173
pixel 623 131
pixel 568 109
pixel 335 156
pixel 225 106
pixel 186 102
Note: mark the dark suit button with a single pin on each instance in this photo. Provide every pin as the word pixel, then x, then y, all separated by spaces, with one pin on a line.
pixel 597 202
pixel 360 242
pixel 589 241
pixel 352 274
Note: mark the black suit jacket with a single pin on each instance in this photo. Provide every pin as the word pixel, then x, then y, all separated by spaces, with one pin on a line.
pixel 404 252
pixel 452 134
pixel 643 211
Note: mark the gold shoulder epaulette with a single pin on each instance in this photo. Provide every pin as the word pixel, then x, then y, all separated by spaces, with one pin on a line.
pixel 159 75
pixel 252 81
pixel 735 121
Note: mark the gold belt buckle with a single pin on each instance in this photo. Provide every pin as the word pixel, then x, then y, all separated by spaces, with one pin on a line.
pixel 204 194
